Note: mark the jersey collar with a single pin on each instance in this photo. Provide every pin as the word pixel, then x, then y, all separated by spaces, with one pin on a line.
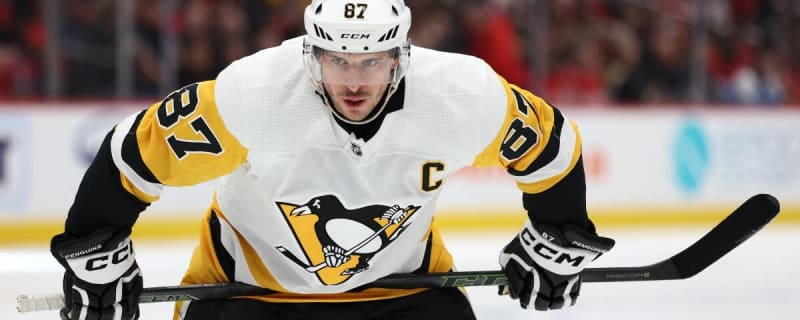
pixel 368 130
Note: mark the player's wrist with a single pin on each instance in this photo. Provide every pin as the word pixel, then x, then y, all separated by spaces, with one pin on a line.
pixel 99 258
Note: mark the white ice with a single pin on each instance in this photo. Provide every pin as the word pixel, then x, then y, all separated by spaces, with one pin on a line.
pixel 758 280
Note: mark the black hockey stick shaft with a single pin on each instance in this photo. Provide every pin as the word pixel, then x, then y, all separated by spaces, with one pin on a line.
pixel 739 226
pixel 749 218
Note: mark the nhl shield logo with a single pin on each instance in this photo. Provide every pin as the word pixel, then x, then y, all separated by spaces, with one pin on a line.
pixel 338 242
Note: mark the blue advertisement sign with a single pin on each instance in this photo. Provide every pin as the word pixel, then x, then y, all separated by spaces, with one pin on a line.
pixel 89 134
pixel 691 158
pixel 16 157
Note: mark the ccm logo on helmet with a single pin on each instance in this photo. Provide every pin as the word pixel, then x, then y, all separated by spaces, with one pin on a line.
pixel 355 36
pixel 549 253
pixel 116 257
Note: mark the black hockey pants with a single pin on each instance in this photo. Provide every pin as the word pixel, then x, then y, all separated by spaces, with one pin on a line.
pixel 446 303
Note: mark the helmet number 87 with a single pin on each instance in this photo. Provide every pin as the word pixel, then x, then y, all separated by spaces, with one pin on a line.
pixel 354 10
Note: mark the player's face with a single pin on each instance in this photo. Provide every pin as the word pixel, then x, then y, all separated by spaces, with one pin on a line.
pixel 356 81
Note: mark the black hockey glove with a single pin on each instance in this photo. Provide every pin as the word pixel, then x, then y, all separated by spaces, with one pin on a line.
pixel 544 263
pixel 102 279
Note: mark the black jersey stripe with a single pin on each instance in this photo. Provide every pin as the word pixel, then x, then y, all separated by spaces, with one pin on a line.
pixel 223 257
pixel 550 151
pixel 426 260
pixel 523 105
pixel 132 156
pixel 101 200
pixel 564 203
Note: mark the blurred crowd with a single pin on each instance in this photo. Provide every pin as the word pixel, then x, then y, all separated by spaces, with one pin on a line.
pixel 579 52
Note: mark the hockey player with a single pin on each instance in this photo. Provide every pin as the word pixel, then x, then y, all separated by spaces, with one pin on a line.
pixel 331 150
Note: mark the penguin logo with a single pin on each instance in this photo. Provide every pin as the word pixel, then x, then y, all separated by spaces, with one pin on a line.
pixel 338 242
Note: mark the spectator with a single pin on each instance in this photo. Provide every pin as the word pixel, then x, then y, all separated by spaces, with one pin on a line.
pixel 597 50
pixel 21 45
pixel 577 78
pixel 88 45
pixel 666 63
pixel 435 27
pixel 148 47
pixel 760 84
pixel 17 73
pixel 576 62
pixel 491 36
pixel 625 80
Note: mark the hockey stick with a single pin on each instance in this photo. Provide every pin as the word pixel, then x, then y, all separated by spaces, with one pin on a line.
pixel 745 221
pixel 739 226
pixel 323 264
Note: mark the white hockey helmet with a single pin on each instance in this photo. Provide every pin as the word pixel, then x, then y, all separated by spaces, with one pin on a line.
pixel 357 26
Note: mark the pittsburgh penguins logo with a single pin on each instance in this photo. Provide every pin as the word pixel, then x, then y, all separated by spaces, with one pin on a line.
pixel 338 242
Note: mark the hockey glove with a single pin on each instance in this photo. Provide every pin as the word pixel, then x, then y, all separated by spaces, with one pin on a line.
pixel 544 263
pixel 102 279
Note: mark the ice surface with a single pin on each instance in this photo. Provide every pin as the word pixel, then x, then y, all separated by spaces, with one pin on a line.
pixel 758 280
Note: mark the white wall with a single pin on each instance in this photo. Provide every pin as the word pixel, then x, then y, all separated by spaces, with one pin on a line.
pixel 634 158
pixel 669 157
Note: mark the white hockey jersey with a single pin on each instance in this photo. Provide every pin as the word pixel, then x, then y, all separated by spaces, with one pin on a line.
pixel 310 211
